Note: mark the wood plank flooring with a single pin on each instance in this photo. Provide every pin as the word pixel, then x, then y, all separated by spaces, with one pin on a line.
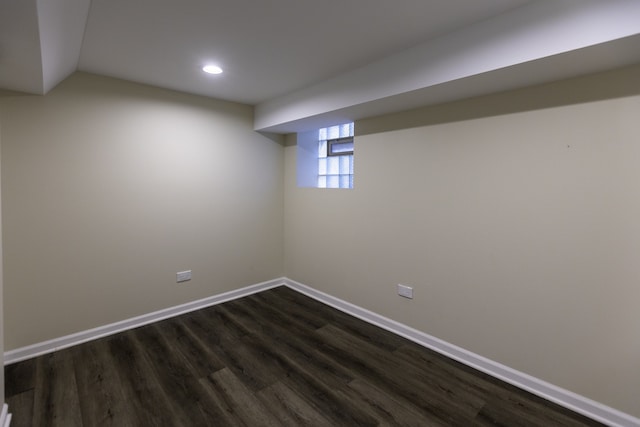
pixel 276 358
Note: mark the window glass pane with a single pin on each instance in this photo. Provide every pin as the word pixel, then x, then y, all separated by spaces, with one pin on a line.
pixel 344 165
pixel 333 132
pixel 322 149
pixel 341 147
pixel 335 161
pixel 345 130
pixel 333 166
pixel 322 166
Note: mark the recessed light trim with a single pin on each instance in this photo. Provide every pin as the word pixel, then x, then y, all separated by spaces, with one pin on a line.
pixel 212 69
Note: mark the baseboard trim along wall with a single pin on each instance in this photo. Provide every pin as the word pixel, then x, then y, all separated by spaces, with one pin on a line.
pixel 28 352
pixel 566 398
pixel 5 416
pixel 575 402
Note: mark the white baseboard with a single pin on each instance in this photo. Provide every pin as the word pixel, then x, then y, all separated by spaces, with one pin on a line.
pixel 562 397
pixel 55 344
pixel 5 416
pixel 566 398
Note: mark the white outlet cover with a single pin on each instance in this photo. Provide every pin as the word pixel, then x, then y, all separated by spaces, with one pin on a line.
pixel 405 291
pixel 183 276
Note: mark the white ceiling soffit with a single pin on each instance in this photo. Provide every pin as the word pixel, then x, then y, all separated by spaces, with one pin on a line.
pixel 62 25
pixel 40 42
pixel 540 42
pixel 20 59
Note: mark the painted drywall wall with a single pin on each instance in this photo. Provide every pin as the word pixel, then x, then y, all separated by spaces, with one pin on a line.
pixel 515 220
pixel 1 286
pixel 109 188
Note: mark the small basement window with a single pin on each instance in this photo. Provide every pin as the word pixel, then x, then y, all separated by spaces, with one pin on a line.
pixel 335 156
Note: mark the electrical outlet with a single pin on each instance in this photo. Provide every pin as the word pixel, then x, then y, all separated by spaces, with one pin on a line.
pixel 183 276
pixel 405 291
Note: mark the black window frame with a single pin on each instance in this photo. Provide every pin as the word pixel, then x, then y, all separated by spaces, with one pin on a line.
pixel 331 142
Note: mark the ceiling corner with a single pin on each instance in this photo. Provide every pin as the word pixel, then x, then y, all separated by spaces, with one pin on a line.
pixel 62 25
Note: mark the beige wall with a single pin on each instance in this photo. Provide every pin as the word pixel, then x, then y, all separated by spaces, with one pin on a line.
pixel 515 217
pixel 1 292
pixel 109 188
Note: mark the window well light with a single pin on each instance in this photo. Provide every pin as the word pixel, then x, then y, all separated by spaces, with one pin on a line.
pixel 212 69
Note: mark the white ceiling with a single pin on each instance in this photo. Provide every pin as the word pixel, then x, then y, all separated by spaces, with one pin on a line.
pixel 338 55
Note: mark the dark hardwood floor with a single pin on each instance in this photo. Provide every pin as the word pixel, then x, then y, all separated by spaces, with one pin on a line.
pixel 276 358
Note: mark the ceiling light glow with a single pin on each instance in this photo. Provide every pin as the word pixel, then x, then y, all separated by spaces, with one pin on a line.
pixel 212 69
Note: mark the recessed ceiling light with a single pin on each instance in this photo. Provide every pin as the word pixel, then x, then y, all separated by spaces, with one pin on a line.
pixel 212 69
